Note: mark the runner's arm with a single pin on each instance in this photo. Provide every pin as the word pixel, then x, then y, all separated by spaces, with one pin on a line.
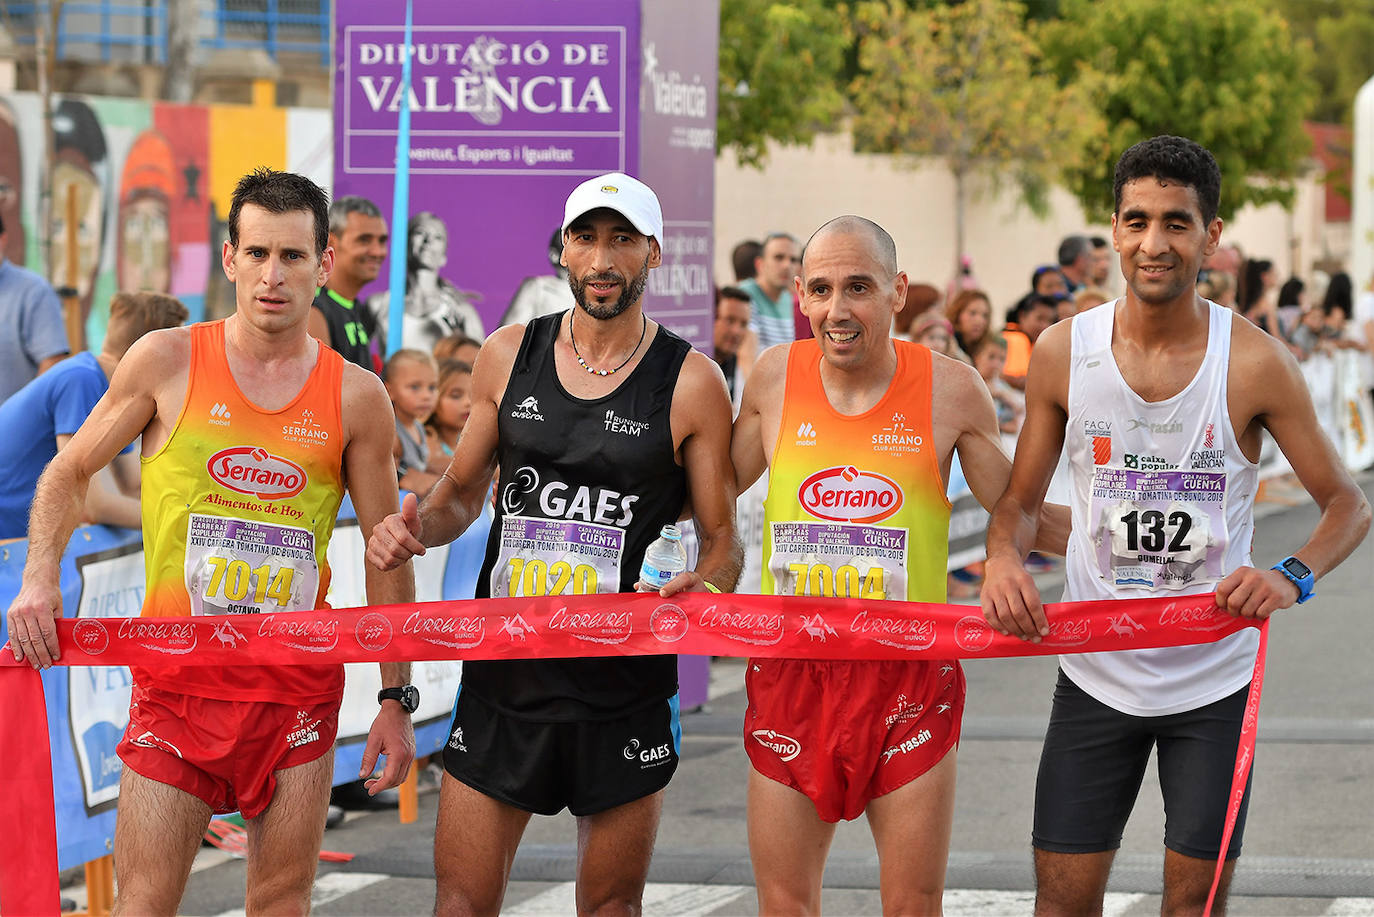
pixel 1010 599
pixel 371 478
pixel 461 492
pixel 701 407
pixel 762 394
pixel 60 498
pixel 1284 407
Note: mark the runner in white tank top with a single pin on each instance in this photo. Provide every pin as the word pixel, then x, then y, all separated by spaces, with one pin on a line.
pixel 1160 400
pixel 1163 501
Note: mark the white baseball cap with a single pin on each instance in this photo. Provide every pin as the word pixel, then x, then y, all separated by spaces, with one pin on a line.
pixel 629 197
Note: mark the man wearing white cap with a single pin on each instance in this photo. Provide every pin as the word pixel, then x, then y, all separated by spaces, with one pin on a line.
pixel 605 427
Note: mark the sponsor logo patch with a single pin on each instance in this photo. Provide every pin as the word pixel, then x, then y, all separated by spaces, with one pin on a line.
pixel 785 747
pixel 373 632
pixel 973 634
pixel 91 636
pixel 848 494
pixel 668 623
pixel 256 472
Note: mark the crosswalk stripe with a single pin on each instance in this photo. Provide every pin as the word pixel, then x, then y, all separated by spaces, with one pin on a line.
pixel 1350 907
pixel 661 899
pixel 330 887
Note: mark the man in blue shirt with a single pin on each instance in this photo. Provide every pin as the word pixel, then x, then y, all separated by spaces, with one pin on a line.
pixel 41 417
pixel 32 336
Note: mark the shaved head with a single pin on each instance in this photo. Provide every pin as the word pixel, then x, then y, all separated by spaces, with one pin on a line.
pixel 881 246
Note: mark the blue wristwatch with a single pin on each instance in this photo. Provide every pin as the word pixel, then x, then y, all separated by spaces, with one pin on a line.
pixel 1299 574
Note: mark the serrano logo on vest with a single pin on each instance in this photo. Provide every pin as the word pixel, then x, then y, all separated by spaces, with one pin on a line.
pixel 458 631
pixel 785 747
pixel 594 626
pixel 848 494
pixel 889 630
pixel 752 627
pixel 256 472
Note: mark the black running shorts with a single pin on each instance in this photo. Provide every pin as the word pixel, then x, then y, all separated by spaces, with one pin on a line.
pixel 587 767
pixel 1094 759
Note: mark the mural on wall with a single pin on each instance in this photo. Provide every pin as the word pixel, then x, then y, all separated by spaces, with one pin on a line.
pixel 140 192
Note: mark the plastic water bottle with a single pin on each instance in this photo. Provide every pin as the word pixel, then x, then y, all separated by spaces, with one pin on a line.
pixel 664 559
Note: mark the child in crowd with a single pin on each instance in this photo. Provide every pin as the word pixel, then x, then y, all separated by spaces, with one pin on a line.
pixel 989 356
pixel 932 329
pixel 412 381
pixel 457 346
pixel 445 425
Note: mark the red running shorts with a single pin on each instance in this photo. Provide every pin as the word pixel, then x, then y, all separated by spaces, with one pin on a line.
pixel 223 752
pixel 844 733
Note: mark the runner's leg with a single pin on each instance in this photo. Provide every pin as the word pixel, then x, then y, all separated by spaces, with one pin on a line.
pixel 1071 883
pixel 157 835
pixel 474 845
pixel 284 841
pixel 613 852
pixel 1187 881
pixel 911 827
pixel 788 844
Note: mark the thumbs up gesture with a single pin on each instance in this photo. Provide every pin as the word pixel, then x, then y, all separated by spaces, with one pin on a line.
pixel 396 539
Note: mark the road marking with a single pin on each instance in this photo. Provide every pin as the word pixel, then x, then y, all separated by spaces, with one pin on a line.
pixel 661 899
pixel 331 887
pixel 1350 907
pixel 959 902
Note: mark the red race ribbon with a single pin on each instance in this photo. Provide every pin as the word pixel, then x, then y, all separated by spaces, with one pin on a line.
pixel 629 624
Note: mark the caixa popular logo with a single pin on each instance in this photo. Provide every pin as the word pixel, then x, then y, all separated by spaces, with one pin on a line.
pixel 848 494
pixel 913 634
pixel 668 623
pixel 785 747
pixel 373 632
pixel 463 632
pixel 256 472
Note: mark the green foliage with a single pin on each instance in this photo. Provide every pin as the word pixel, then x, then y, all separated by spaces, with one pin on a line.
pixel 1227 74
pixel 1343 30
pixel 779 73
pixel 964 83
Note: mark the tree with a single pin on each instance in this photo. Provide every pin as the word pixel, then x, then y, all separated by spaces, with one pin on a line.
pixel 1227 74
pixel 1343 33
pixel 962 83
pixel 779 67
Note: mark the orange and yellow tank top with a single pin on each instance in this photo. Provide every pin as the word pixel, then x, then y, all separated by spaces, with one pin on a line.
pixel 856 503
pixel 238 507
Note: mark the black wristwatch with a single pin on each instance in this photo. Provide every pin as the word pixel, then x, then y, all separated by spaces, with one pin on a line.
pixel 408 696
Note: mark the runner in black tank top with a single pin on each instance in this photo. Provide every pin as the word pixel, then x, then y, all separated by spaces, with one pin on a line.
pixel 604 427
pixel 605 462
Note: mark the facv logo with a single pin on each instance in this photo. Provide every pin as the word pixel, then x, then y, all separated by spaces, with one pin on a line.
pixel 528 410
pixel 219 414
pixel 806 434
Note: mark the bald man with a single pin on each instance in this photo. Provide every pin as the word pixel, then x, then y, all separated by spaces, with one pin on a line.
pixel 859 411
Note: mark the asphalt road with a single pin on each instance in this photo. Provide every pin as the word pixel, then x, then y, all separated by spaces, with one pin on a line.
pixel 1309 845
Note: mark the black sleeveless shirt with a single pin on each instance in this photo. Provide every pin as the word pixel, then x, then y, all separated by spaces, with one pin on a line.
pixel 597 466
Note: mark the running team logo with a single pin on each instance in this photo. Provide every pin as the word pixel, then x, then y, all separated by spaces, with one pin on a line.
pixel 1123 625
pixel 373 632
pixel 91 636
pixel 1201 614
pixel 668 623
pixel 256 472
pixel 848 494
pixel 611 627
pixel 973 634
pixel 171 638
pixel 461 632
pixel 517 628
pixel 528 410
pixel 311 636
pixel 816 628
pixel 911 634
pixel 751 627
pixel 785 747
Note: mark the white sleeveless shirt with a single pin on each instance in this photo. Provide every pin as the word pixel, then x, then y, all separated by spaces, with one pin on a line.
pixel 1162 501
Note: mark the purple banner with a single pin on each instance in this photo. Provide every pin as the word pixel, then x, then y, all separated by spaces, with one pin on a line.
pixel 513 103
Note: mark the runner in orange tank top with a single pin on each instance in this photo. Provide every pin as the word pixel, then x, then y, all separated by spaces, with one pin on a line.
pixel 250 431
pixel 857 432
